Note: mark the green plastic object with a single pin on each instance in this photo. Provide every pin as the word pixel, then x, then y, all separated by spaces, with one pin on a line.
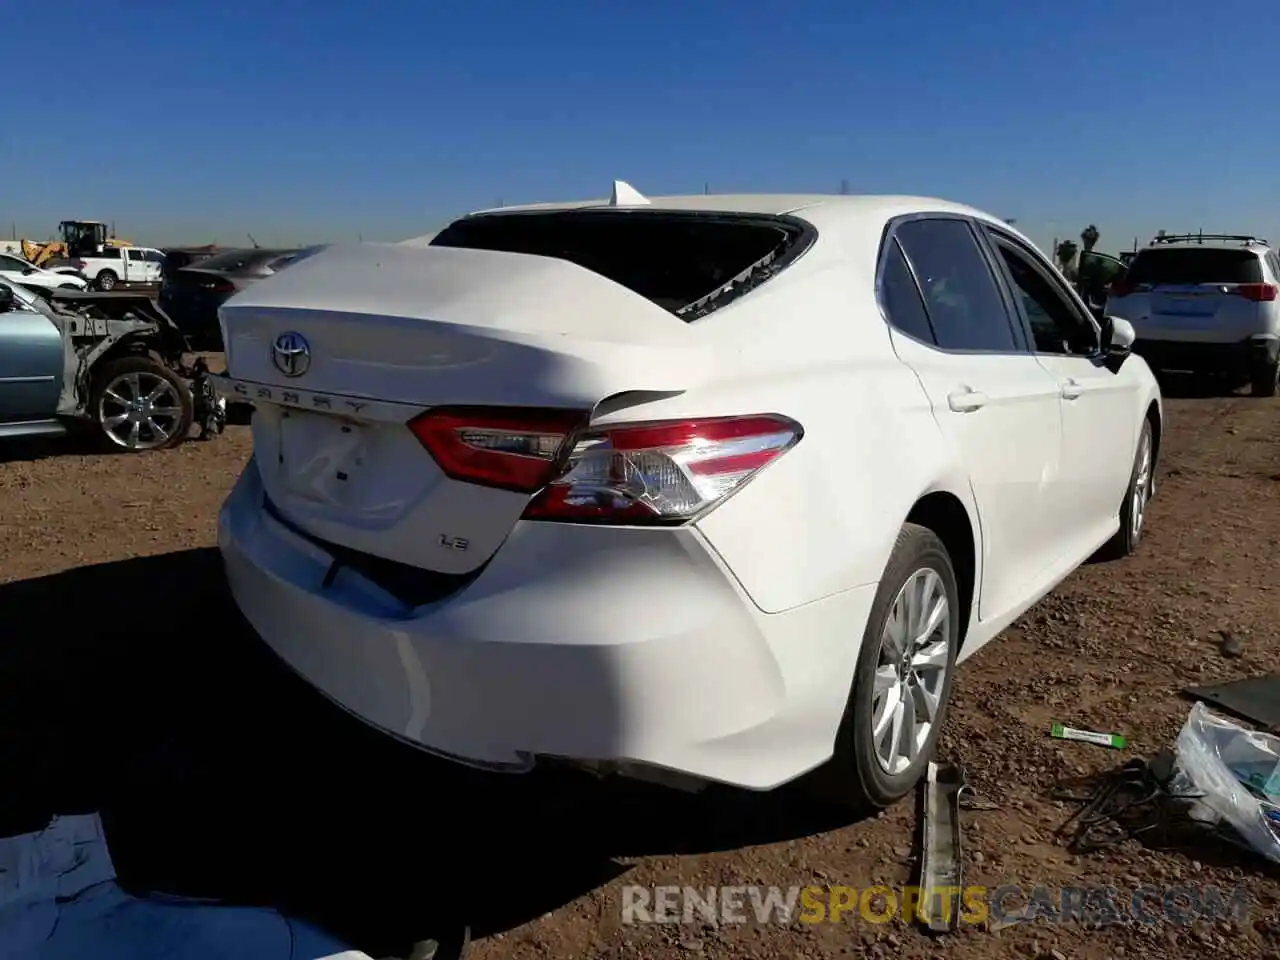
pixel 1113 740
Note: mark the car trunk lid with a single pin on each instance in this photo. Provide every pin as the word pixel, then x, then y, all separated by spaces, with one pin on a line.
pixel 341 350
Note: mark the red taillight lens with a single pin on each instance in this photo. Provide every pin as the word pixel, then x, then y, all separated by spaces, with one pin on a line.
pixel 663 472
pixel 219 285
pixel 511 449
pixel 1259 292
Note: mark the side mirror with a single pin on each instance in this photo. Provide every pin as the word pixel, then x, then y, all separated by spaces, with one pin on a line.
pixel 6 298
pixel 1118 337
pixel 27 271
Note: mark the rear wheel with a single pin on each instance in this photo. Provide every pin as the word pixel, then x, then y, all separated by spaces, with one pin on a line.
pixel 903 679
pixel 106 280
pixel 140 404
pixel 1264 378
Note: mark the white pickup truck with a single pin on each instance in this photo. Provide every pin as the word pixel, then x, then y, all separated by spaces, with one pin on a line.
pixel 118 267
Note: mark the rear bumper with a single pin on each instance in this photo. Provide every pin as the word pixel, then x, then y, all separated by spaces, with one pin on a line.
pixel 575 642
pixel 1230 358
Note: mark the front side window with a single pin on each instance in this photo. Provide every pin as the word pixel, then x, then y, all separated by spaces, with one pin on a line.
pixel 1056 324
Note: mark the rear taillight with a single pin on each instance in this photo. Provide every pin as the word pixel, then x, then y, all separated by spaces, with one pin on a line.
pixel 511 449
pixel 1259 292
pixel 218 285
pixel 663 472
pixel 645 473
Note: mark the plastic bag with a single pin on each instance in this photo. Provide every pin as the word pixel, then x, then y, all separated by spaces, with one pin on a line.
pixel 1238 772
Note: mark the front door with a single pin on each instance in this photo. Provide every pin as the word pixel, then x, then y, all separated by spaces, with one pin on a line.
pixel 1096 403
pixel 31 362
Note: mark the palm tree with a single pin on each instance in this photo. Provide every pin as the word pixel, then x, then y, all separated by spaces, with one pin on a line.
pixel 1066 253
pixel 1089 237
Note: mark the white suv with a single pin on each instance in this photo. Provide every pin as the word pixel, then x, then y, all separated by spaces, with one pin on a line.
pixel 1206 303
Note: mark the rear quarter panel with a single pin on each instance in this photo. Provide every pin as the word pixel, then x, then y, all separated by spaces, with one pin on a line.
pixel 824 518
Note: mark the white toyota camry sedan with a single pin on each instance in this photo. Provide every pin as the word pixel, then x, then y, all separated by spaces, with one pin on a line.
pixel 718 488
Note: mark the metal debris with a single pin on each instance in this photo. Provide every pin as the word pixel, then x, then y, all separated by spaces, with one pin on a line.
pixel 940 861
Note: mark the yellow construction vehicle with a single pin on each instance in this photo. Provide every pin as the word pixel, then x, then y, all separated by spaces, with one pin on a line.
pixel 80 238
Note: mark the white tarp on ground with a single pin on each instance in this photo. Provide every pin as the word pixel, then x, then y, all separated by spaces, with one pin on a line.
pixel 59 901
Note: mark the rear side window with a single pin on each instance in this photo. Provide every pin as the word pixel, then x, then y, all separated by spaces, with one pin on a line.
pixel 901 297
pixel 1192 265
pixel 960 292
pixel 688 263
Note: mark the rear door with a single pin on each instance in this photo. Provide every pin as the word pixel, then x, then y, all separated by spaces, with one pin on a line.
pixel 953 326
pixel 31 362
pixel 1194 293
pixel 1099 430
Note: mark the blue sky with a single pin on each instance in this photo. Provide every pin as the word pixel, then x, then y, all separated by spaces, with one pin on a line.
pixel 308 121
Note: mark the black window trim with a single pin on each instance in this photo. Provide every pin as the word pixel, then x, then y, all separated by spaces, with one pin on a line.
pixel 1022 345
pixel 995 236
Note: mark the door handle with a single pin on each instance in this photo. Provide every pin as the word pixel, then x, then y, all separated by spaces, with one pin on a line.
pixel 1071 389
pixel 966 400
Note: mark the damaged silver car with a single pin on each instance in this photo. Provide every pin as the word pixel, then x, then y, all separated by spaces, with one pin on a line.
pixel 112 363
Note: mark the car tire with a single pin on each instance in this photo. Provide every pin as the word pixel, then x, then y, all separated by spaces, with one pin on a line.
pixel 858 775
pixel 150 373
pixel 1136 497
pixel 1264 379
pixel 106 281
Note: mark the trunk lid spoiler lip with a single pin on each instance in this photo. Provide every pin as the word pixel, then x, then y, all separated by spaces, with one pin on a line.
pixel 504 295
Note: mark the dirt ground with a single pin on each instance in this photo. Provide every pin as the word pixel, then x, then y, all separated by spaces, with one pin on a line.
pixel 128 684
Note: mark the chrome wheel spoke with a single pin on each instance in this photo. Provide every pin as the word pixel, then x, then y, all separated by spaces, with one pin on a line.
pixel 895 631
pixel 908 733
pixel 889 707
pixel 926 702
pixel 932 657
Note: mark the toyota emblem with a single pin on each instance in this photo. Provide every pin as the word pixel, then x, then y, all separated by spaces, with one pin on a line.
pixel 291 354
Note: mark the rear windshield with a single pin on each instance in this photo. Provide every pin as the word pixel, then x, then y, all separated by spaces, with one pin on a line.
pixel 684 262
pixel 1187 265
pixel 239 261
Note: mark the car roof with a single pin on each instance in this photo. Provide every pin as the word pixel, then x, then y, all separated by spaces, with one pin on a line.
pixel 1210 242
pixel 771 204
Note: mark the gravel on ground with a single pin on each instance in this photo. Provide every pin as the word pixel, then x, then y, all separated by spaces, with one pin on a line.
pixel 129 684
